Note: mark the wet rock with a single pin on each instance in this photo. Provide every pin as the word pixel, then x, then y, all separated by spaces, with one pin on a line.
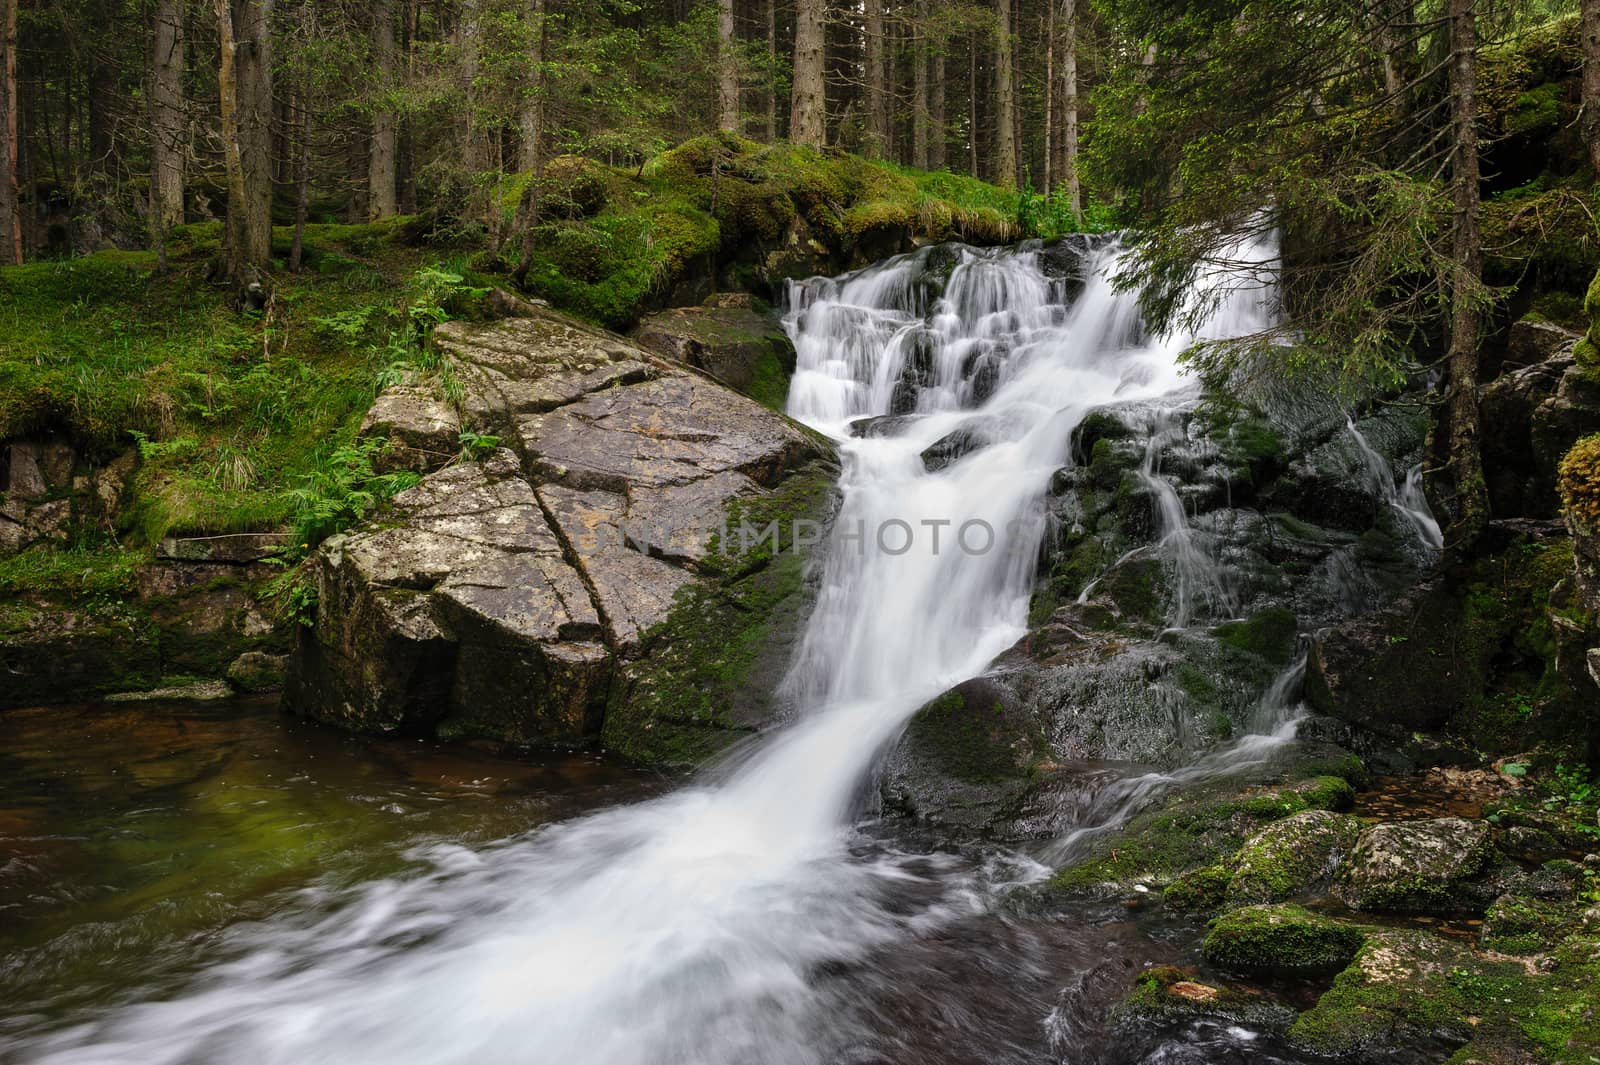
pixel 1519 924
pixel 1382 1007
pixel 1384 671
pixel 597 582
pixel 965 761
pixel 1532 341
pixel 257 671
pixel 1166 996
pixel 1291 857
pixel 1426 867
pixel 739 346
pixel 47 651
pixel 974 436
pixel 422 430
pixel 204 691
pixel 880 426
pixel 232 548
pixel 1519 484
pixel 1282 940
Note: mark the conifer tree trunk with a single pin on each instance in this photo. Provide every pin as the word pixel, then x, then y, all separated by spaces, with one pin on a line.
pixel 1005 98
pixel 1049 97
pixel 772 71
pixel 244 79
pixel 919 89
pixel 1069 107
pixel 530 117
pixel 1464 461
pixel 937 130
pixel 1589 23
pixel 385 125
pixel 877 139
pixel 807 115
pixel 10 197
pixel 300 109
pixel 727 68
pixel 972 112
pixel 168 145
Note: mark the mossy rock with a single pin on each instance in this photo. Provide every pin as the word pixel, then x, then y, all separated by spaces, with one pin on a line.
pixel 1291 857
pixel 1580 486
pixel 1280 939
pixel 1423 867
pixel 1191 833
pixel 1516 924
pixel 1166 997
pixel 710 672
pixel 1199 891
pixel 1414 996
pixel 1271 634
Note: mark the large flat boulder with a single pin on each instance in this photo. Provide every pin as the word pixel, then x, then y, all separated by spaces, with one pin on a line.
pixel 584 582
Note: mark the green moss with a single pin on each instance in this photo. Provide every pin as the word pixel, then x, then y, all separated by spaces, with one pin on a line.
pixel 1200 890
pixel 44 570
pixel 972 741
pixel 228 409
pixel 714 664
pixel 1517 925
pixel 1413 991
pixel 769 384
pixel 1280 939
pixel 620 241
pixel 1158 846
pixel 1165 997
pixel 1270 634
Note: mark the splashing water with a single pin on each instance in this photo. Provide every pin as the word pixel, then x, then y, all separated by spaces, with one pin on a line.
pixel 1405 497
pixel 694 928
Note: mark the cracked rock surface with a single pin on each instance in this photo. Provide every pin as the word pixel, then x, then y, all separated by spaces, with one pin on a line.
pixel 578 582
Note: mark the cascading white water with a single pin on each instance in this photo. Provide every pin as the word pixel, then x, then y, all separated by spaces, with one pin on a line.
pixel 1405 497
pixel 691 928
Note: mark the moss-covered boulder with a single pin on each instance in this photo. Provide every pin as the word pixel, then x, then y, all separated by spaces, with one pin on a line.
pixel 731 340
pixel 1414 997
pixel 1291 857
pixel 1522 924
pixel 1427 867
pixel 720 213
pixel 1282 939
pixel 1191 832
pixel 1168 997
pixel 626 571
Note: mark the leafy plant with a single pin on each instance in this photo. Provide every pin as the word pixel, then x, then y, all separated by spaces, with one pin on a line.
pixel 477 445
pixel 341 491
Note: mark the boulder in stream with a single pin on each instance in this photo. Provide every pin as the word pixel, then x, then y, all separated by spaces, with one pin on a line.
pixel 626 570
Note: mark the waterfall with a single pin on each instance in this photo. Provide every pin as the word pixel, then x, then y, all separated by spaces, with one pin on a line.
pixel 1405 496
pixel 692 928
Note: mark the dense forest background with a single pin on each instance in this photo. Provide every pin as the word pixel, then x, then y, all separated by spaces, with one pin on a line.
pixel 1430 165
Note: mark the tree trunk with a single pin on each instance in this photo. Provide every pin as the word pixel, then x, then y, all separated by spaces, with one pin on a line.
pixel 300 108
pixel 1005 99
pixel 807 107
pixel 530 117
pixel 972 115
pixel 727 68
pixel 235 248
pixel 772 71
pixel 527 218
pixel 919 89
pixel 385 124
pixel 168 145
pixel 1069 107
pixel 1589 22
pixel 937 128
pixel 877 139
pixel 1049 97
pixel 10 196
pixel 1464 464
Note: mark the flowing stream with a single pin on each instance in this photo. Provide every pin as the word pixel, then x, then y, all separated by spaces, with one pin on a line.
pixel 721 923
